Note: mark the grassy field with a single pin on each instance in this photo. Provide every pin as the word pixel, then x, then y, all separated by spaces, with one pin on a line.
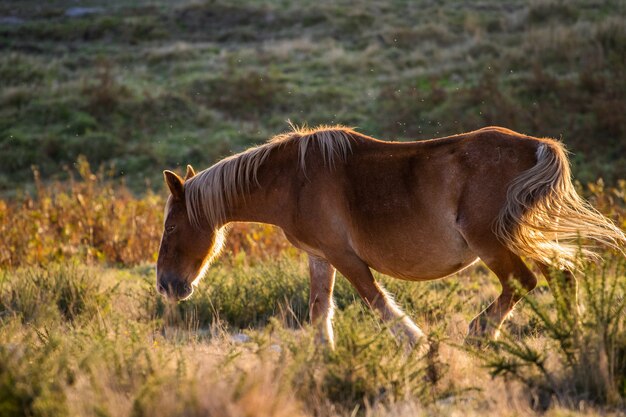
pixel 96 100
pixel 143 85
pixel 83 332
pixel 78 337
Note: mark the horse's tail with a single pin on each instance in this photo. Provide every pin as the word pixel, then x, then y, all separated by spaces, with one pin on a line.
pixel 544 218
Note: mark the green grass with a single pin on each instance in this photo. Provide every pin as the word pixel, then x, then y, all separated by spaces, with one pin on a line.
pixel 78 340
pixel 151 85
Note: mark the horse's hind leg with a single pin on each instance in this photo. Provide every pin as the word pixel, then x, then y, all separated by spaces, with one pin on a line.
pixel 321 306
pixel 565 283
pixel 516 280
pixel 361 278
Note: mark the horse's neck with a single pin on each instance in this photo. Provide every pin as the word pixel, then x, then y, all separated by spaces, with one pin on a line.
pixel 267 199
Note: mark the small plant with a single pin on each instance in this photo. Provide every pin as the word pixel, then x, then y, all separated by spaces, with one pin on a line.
pixel 105 94
pixel 576 356
pixel 31 377
pixel 364 369
pixel 38 295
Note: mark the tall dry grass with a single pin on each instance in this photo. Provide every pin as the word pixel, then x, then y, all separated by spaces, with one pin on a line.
pixel 94 219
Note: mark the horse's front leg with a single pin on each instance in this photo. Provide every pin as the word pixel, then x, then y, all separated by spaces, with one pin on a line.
pixel 321 304
pixel 360 276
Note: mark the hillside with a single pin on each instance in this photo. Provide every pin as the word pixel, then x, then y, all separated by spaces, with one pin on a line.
pixel 142 86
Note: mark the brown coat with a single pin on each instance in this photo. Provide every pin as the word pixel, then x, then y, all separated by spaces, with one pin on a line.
pixel 413 210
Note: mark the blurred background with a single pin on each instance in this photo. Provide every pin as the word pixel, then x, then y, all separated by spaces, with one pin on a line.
pixel 139 86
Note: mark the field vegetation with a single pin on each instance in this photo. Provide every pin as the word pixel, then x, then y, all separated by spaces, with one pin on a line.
pixel 96 101
pixel 83 331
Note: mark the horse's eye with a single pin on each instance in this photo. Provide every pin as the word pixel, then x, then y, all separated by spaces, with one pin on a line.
pixel 170 229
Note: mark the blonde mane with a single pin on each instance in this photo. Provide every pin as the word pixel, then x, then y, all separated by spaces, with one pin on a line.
pixel 211 191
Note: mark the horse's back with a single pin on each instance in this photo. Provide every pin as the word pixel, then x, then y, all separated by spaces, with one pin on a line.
pixel 393 180
pixel 401 206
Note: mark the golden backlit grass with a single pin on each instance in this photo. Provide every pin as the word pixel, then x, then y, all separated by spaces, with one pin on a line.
pixel 95 220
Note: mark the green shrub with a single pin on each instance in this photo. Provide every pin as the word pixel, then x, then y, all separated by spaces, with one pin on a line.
pixel 38 295
pixel 31 378
pixel 246 295
pixel 368 365
pixel 584 356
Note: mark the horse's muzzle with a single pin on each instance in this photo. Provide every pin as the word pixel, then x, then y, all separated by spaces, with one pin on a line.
pixel 174 289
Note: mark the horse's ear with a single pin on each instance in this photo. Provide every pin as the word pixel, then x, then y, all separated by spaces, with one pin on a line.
pixel 190 172
pixel 174 183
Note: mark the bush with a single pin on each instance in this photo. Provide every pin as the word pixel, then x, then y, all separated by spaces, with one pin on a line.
pixel 65 292
pixel 584 357
pixel 31 380
pixel 90 220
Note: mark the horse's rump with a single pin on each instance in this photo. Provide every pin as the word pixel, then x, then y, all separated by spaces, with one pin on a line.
pixel 545 219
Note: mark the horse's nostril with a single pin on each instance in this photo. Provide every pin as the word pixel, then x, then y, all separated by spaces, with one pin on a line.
pixel 173 288
pixel 188 291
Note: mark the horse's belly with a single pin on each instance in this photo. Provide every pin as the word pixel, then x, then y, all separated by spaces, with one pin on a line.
pixel 423 270
pixel 422 261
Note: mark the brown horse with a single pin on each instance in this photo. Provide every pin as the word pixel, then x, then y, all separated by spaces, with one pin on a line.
pixel 412 210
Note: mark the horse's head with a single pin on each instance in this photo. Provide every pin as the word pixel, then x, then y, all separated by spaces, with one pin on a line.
pixel 185 250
